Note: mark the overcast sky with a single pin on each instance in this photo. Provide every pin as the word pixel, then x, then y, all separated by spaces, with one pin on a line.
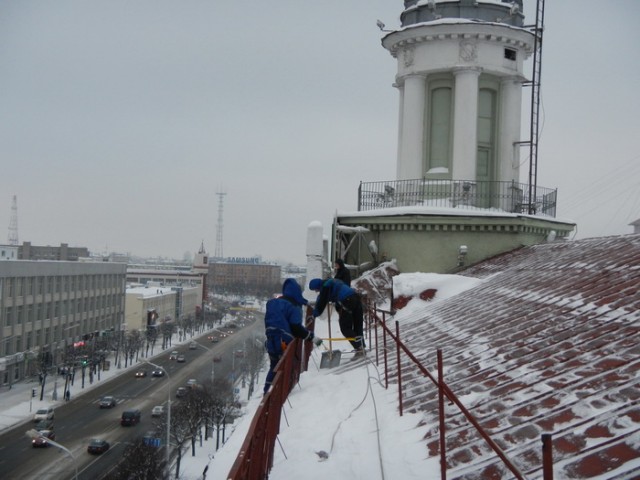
pixel 121 120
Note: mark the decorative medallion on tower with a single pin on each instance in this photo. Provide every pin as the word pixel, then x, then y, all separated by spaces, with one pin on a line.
pixel 468 51
pixel 408 56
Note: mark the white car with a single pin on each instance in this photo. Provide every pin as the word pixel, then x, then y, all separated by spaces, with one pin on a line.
pixel 44 414
pixel 157 411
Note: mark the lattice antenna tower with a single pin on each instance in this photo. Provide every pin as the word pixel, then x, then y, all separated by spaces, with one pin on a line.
pixel 220 225
pixel 13 223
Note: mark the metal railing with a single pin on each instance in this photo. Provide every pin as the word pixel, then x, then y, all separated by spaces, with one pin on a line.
pixel 255 459
pixel 375 322
pixel 509 197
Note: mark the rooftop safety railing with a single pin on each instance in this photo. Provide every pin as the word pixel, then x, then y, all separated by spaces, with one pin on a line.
pixel 255 459
pixel 509 197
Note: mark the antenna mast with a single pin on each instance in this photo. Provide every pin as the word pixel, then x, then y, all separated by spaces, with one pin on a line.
pixel 537 29
pixel 13 224
pixel 219 227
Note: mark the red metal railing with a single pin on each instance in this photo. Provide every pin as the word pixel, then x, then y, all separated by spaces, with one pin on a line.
pixel 374 322
pixel 255 460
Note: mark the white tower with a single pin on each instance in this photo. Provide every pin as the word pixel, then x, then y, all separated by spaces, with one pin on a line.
pixel 460 76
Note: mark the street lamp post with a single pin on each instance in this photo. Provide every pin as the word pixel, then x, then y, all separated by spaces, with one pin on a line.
pixel 36 434
pixel 168 448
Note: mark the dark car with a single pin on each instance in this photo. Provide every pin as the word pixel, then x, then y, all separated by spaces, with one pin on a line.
pixel 157 373
pixel 107 402
pixel 98 446
pixel 44 425
pixel 42 440
pixel 141 373
pixel 130 417
pixel 181 392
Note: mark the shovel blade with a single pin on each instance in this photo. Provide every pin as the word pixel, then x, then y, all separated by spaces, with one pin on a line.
pixel 330 359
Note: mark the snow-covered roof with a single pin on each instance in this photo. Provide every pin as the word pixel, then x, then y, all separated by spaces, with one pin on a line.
pixel 547 342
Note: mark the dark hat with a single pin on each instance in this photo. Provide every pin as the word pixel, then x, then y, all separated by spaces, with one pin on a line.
pixel 315 284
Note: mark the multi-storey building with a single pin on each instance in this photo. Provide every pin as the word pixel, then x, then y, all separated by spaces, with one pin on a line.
pixel 247 275
pixel 149 305
pixel 48 306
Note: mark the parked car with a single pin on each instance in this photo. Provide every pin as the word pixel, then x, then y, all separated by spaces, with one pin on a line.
pixel 192 382
pixel 217 358
pixel 130 417
pixel 193 346
pixel 46 413
pixel 107 402
pixel 141 373
pixel 173 355
pixel 44 425
pixel 157 373
pixel 98 446
pixel 43 439
pixel 181 392
pixel 181 359
pixel 239 353
pixel 157 411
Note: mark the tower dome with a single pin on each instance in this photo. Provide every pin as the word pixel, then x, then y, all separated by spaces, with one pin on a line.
pixel 505 11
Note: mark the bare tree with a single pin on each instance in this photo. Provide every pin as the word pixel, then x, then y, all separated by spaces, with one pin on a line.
pixel 254 362
pixel 180 429
pixel 141 462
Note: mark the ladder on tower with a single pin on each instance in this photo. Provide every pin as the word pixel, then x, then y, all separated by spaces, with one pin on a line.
pixel 534 126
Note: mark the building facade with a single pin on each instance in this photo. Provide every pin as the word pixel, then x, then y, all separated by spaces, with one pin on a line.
pixel 149 305
pixel 64 252
pixel 48 306
pixel 247 275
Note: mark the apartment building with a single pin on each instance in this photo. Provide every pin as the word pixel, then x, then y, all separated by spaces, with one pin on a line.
pixel 48 306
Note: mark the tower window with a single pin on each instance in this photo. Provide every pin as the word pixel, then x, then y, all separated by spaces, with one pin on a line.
pixel 509 54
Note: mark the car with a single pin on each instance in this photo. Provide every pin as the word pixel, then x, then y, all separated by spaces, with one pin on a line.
pixel 157 373
pixel 46 413
pixel 173 355
pixel 157 411
pixel 181 392
pixel 98 446
pixel 213 339
pixel 42 440
pixel 193 346
pixel 141 373
pixel 107 402
pixel 130 417
pixel 217 358
pixel 181 359
pixel 192 382
pixel 44 425
pixel 239 353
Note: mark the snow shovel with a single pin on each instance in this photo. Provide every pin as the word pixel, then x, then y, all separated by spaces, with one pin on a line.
pixel 331 358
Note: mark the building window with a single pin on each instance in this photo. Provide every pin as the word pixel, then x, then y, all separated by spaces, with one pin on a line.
pixel 510 54
pixel 440 128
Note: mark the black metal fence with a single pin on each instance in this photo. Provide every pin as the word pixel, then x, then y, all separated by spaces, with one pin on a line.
pixel 464 194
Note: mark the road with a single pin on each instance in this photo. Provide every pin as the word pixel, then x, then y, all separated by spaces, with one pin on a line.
pixel 80 419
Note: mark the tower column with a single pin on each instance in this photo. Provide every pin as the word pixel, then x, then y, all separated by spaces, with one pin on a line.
pixel 510 114
pixel 465 119
pixel 411 137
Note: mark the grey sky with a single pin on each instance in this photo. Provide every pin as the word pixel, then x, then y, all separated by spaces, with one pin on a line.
pixel 119 120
